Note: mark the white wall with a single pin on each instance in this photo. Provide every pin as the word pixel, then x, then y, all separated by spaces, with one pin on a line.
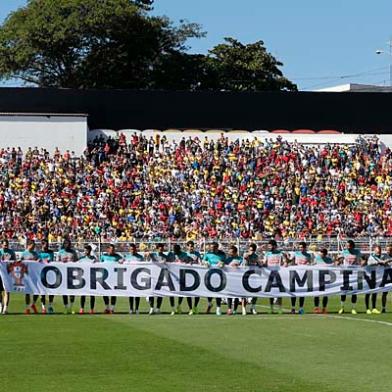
pixel 49 132
pixel 315 138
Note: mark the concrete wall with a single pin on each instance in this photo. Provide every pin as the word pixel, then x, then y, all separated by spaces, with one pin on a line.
pixel 49 132
pixel 176 135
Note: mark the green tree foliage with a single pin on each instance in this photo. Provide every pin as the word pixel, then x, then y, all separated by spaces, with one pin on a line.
pixel 87 43
pixel 118 44
pixel 239 67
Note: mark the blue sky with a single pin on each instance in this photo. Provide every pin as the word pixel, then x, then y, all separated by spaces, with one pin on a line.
pixel 321 43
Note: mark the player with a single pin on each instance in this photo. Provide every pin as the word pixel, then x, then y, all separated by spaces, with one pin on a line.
pixel 6 254
pixel 214 258
pixel 67 255
pixel 322 259
pixel 46 255
pixel 375 259
pixel 30 254
pixel 233 260
pixel 180 257
pixel 194 258
pixel 387 258
pixel 251 259
pixel 350 257
pixel 133 257
pixel 110 257
pixel 301 257
pixel 87 257
pixel 159 256
pixel 275 258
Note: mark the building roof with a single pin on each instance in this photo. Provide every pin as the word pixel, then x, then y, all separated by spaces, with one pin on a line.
pixel 3 114
pixel 354 87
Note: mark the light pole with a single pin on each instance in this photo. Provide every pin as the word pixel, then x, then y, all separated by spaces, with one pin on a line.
pixel 389 53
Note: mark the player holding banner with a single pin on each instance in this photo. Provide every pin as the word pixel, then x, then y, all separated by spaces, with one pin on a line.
pixel 375 259
pixel 133 257
pixel 180 257
pixel 387 258
pixel 301 257
pixel 6 254
pixel 234 261
pixel 110 256
pixel 30 254
pixel 194 258
pixel 159 256
pixel 322 259
pixel 46 256
pixel 67 255
pixel 275 258
pixel 88 257
pixel 251 259
pixel 350 257
pixel 214 258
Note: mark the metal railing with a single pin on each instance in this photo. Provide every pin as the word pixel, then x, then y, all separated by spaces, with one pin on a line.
pixel 333 245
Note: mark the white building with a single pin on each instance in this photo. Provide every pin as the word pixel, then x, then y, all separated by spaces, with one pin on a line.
pixel 356 88
pixel 44 130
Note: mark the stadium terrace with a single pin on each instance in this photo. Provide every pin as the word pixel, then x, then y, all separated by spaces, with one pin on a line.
pixel 150 189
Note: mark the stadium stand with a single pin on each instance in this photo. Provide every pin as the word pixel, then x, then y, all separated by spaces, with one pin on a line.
pixel 149 188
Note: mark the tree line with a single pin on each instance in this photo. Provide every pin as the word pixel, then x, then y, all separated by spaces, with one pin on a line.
pixel 120 44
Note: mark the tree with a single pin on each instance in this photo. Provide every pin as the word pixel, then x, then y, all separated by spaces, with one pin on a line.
pixel 239 67
pixel 183 71
pixel 88 43
pixel 231 66
pixel 146 4
pixel 118 44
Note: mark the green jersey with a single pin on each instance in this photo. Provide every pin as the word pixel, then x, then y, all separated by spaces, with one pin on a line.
pixel 352 257
pixel 107 258
pixel 88 259
pixel 320 260
pixel 29 255
pixel 133 258
pixel 67 255
pixel 7 254
pixel 194 257
pixel 251 259
pixel 47 256
pixel 236 260
pixel 214 258
pixel 375 259
pixel 160 257
pixel 181 257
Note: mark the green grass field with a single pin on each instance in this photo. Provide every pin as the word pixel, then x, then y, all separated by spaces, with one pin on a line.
pixel 193 353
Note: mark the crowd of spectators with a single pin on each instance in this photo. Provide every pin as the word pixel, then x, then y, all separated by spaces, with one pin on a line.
pixel 152 189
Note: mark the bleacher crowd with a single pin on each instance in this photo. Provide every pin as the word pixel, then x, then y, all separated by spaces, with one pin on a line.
pixel 153 189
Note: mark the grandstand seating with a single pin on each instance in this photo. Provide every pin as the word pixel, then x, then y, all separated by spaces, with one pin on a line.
pixel 146 188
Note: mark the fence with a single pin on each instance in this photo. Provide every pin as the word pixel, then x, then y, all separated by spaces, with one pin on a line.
pixel 333 245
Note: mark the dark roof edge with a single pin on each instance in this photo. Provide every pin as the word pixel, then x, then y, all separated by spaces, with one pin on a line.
pixel 3 114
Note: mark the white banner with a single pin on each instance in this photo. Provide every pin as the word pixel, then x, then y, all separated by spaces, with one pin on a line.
pixel 154 279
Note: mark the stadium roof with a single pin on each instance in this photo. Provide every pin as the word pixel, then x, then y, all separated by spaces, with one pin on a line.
pixel 354 87
pixel 356 112
pixel 3 114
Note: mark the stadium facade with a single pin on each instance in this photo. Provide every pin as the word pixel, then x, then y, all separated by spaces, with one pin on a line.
pixel 61 117
pixel 48 131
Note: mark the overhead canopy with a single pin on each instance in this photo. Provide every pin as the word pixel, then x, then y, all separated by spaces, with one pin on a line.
pixel 127 109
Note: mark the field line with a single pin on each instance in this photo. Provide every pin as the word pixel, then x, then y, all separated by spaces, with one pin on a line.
pixel 389 324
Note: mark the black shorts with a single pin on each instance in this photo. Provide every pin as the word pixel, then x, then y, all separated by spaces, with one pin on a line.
pixel 1 285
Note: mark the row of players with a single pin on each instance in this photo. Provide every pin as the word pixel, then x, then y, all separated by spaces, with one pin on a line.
pixel 214 257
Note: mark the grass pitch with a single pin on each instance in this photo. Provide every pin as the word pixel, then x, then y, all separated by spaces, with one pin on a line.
pixel 195 353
